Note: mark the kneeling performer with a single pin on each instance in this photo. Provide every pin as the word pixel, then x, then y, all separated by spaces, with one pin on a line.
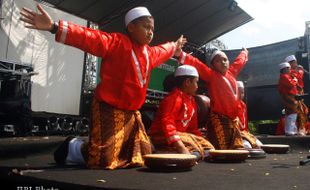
pixel 175 127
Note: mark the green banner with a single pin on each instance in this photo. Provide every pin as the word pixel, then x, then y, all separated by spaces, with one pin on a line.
pixel 158 74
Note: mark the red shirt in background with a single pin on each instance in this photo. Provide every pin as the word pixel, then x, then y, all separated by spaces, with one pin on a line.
pixel 299 74
pixel 243 116
pixel 287 84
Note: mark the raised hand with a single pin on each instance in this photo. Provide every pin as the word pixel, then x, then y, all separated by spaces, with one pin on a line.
pixel 39 21
pixel 244 49
pixel 179 45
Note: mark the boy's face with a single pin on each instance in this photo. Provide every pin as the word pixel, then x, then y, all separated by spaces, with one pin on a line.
pixel 293 64
pixel 241 93
pixel 191 86
pixel 220 63
pixel 286 70
pixel 141 30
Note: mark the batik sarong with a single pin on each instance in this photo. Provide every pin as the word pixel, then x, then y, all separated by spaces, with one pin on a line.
pixel 192 142
pixel 223 132
pixel 117 138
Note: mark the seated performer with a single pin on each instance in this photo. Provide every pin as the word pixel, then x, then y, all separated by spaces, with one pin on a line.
pixel 287 88
pixel 249 140
pixel 221 83
pixel 175 127
pixel 117 136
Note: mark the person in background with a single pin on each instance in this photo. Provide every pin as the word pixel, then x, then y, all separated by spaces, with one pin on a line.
pixel 249 140
pixel 298 71
pixel 220 79
pixel 281 124
pixel 287 88
pixel 175 127
pixel 117 136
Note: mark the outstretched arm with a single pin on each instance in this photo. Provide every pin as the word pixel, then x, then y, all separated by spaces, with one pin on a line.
pixel 39 21
pixel 165 51
pixel 239 62
pixel 92 41
pixel 179 45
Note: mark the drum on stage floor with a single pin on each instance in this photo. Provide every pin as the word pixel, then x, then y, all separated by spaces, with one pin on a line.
pixel 228 155
pixel 276 148
pixel 170 162
pixel 256 153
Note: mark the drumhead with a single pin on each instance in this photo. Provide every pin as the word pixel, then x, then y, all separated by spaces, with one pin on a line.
pixel 228 155
pixel 276 148
pixel 170 162
pixel 276 145
pixel 170 156
pixel 228 152
pixel 257 153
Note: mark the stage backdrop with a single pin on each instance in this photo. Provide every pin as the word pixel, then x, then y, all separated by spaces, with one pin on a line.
pixel 57 87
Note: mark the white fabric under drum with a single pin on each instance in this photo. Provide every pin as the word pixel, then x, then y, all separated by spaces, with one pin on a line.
pixel 259 143
pixel 74 153
pixel 290 124
pixel 247 144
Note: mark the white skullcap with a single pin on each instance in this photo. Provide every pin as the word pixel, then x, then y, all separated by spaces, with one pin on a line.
pixel 136 13
pixel 215 53
pixel 284 65
pixel 186 70
pixel 290 58
pixel 240 84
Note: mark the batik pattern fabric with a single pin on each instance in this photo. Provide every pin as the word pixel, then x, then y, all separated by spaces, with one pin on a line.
pixel 250 138
pixel 192 142
pixel 223 132
pixel 117 138
pixel 302 116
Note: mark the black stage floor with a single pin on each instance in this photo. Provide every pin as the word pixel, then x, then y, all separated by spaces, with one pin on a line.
pixel 38 171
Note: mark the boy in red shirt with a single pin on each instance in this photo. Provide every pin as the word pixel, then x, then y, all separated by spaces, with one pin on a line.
pixel 297 71
pixel 117 136
pixel 249 140
pixel 221 83
pixel 287 88
pixel 175 127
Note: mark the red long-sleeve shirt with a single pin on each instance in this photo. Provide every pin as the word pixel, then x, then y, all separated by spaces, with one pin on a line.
pixel 287 84
pixel 126 65
pixel 222 89
pixel 299 74
pixel 177 113
pixel 243 116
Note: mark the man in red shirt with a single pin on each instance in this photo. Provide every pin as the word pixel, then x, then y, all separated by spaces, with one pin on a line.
pixel 175 127
pixel 249 140
pixel 117 136
pixel 221 83
pixel 287 88
pixel 298 72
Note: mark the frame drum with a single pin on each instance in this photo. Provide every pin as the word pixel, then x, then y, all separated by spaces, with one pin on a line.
pixel 170 161
pixel 228 155
pixel 275 148
pixel 257 153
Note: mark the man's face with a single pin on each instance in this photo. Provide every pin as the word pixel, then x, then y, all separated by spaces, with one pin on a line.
pixel 141 30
